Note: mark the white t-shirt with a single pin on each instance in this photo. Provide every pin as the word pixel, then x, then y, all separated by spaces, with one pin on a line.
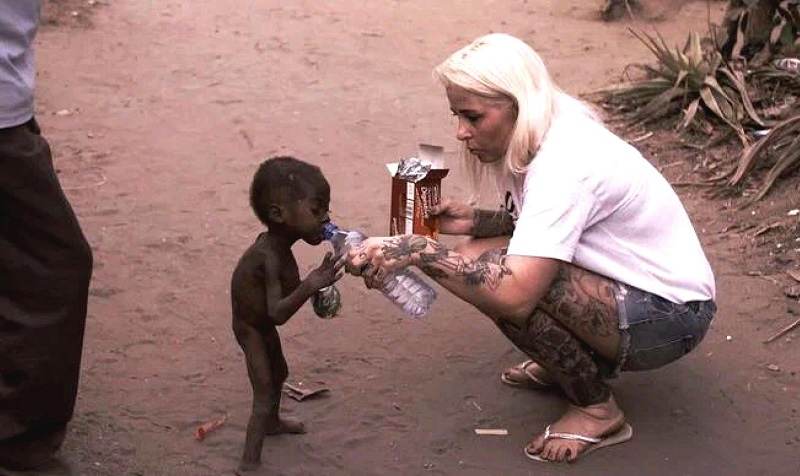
pixel 591 199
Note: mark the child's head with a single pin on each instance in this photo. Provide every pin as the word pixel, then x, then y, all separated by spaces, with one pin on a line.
pixel 291 194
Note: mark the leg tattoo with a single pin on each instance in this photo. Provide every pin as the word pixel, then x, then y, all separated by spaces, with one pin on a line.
pixel 585 304
pixel 568 359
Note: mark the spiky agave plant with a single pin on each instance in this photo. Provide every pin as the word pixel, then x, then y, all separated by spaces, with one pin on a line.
pixel 694 80
pixel 780 147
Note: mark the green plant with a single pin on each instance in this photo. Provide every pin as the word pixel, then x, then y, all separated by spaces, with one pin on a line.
pixel 732 83
pixel 694 80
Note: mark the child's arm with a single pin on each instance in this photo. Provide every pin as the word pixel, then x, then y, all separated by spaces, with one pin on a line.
pixel 279 309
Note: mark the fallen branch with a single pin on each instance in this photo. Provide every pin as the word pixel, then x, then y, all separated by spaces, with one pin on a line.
pixel 766 228
pixel 641 138
pixel 783 331
pixel 761 275
pixel 692 184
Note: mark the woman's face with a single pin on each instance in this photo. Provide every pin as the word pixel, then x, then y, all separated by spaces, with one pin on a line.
pixel 484 125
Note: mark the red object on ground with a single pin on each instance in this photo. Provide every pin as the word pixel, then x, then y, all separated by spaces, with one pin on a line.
pixel 207 427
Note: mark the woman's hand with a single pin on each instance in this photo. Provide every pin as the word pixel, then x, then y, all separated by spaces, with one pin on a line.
pixel 455 218
pixel 376 257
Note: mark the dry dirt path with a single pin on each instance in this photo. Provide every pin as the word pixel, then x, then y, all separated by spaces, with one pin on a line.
pixel 172 104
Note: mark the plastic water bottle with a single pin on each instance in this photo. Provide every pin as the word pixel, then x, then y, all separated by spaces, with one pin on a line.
pixel 403 287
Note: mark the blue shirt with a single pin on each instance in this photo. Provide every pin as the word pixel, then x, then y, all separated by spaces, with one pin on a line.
pixel 18 23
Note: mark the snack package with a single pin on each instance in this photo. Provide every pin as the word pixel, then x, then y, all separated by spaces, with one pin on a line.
pixel 416 187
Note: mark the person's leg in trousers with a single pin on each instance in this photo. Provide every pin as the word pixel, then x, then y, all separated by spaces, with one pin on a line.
pixel 45 268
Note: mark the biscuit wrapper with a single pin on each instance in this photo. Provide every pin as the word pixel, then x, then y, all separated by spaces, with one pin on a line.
pixel 416 188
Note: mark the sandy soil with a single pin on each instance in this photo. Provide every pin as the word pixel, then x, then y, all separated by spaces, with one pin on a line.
pixel 158 113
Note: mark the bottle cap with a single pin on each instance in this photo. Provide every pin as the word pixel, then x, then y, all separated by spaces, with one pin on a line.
pixel 329 230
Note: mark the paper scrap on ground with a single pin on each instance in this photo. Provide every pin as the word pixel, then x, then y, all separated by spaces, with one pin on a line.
pixel 300 392
pixel 491 431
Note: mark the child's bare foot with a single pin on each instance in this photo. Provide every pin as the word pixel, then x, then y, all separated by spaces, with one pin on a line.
pixel 285 425
pixel 593 421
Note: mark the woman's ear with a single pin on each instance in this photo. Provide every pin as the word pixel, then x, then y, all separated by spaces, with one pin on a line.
pixel 276 213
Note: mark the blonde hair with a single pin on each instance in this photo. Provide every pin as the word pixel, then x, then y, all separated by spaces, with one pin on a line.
pixel 500 66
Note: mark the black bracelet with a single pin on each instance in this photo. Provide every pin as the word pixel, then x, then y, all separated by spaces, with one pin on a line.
pixel 492 223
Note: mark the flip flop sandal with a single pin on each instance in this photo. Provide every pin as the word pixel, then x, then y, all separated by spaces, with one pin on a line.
pixel 620 436
pixel 532 380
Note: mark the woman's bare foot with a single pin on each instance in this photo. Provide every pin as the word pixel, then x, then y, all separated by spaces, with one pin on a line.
pixel 527 374
pixel 285 425
pixel 593 421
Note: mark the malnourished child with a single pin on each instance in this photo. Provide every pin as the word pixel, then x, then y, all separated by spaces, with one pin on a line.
pixel 291 198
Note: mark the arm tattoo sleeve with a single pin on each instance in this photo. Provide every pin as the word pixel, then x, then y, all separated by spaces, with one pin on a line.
pixel 404 246
pixel 489 223
pixel 488 270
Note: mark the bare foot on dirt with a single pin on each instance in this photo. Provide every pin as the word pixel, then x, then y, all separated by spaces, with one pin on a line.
pixel 593 421
pixel 251 460
pixel 285 425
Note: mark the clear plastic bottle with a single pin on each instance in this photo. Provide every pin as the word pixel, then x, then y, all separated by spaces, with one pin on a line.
pixel 403 287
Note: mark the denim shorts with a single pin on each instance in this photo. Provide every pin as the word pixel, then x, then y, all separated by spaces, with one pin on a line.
pixel 656 331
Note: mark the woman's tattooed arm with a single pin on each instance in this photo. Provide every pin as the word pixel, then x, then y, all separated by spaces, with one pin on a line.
pixel 403 247
pixel 490 223
pixel 439 262
pixel 498 284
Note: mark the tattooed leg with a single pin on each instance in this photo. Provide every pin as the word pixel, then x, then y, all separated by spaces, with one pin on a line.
pixel 593 411
pixel 584 303
pixel 578 312
pixel 568 361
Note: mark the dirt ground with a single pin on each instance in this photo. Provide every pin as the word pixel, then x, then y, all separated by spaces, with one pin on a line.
pixel 159 112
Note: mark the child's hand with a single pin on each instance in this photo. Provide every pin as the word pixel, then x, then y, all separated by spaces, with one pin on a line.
pixel 455 218
pixel 326 273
